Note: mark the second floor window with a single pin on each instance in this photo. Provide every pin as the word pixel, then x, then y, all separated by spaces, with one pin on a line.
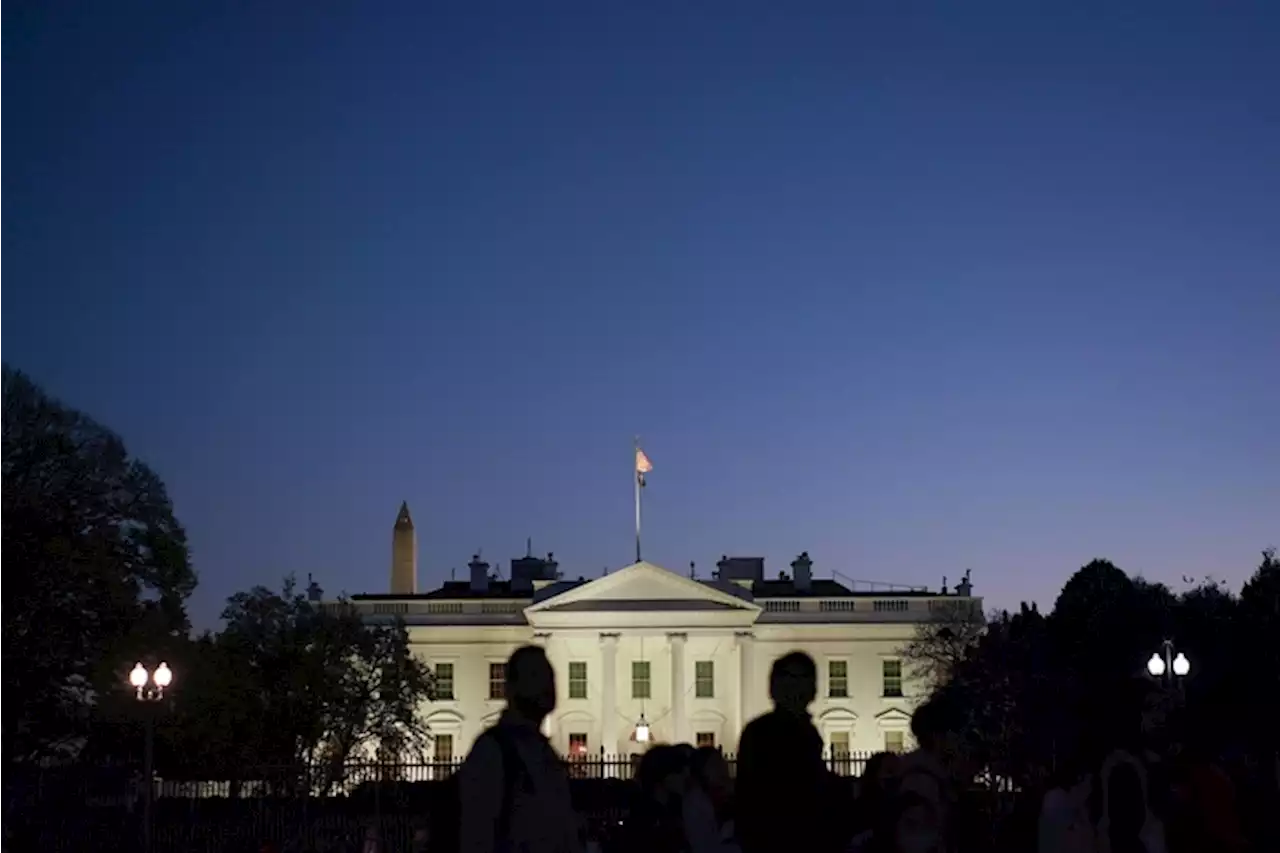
pixel 497 681
pixel 838 679
pixel 893 678
pixel 640 680
pixel 444 681
pixel 577 679
pixel 704 679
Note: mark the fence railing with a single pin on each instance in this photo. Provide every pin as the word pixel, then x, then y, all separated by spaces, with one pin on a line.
pixel 81 808
pixel 350 777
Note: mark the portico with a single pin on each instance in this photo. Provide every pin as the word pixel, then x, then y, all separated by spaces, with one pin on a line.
pixel 683 648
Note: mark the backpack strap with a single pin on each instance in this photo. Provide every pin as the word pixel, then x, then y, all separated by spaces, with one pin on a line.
pixel 938 808
pixel 513 771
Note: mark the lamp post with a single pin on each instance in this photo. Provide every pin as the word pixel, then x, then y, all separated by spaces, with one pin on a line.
pixel 149 687
pixel 1167 664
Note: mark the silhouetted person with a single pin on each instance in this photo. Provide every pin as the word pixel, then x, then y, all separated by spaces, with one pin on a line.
pixel 655 823
pixel 927 790
pixel 783 787
pixel 1063 823
pixel 708 825
pixel 513 789
pixel 872 810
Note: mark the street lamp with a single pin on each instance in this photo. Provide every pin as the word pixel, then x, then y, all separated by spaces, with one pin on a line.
pixel 1167 664
pixel 149 687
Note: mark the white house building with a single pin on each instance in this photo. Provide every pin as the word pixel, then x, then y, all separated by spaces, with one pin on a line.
pixel 688 658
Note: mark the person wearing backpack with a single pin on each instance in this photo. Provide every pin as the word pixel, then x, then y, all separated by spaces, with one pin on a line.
pixel 923 806
pixel 513 791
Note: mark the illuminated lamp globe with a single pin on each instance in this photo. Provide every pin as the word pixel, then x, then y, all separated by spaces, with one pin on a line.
pixel 1155 666
pixel 1181 666
pixel 642 731
pixel 138 676
pixel 164 675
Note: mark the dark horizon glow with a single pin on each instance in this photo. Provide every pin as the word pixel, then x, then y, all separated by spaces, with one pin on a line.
pixel 991 288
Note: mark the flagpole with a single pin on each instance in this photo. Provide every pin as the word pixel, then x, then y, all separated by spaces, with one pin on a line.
pixel 635 475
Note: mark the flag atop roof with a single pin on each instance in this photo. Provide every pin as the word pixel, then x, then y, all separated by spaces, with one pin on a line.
pixel 643 466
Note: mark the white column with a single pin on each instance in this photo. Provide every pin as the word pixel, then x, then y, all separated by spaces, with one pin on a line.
pixel 609 693
pixel 679 717
pixel 746 686
pixel 543 640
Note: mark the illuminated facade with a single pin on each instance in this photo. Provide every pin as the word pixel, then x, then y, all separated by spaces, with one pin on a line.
pixel 689 658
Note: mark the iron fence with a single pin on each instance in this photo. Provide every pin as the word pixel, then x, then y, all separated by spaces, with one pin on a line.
pixel 352 777
pixel 295 808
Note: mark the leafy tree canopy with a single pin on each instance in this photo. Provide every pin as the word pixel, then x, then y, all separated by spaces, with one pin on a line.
pixel 96 563
pixel 291 682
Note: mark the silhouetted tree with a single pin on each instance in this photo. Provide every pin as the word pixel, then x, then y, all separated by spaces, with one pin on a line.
pixel 1043 690
pixel 941 644
pixel 999 680
pixel 1257 657
pixel 290 684
pixel 96 563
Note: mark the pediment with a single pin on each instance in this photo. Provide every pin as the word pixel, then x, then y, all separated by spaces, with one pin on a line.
pixel 838 715
pixel 893 718
pixel 643 587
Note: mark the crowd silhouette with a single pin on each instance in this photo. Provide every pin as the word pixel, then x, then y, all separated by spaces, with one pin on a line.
pixel 1121 790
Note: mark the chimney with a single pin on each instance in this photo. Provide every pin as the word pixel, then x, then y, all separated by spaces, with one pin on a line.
pixel 404 554
pixel 802 572
pixel 745 569
pixel 965 587
pixel 479 574
pixel 314 593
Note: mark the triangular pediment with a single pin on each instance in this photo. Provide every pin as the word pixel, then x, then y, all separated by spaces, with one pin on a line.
pixel 643 587
pixel 893 718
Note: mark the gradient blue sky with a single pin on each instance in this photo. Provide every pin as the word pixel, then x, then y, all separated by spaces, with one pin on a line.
pixel 916 287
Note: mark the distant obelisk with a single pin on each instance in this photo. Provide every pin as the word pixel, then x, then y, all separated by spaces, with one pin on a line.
pixel 404 554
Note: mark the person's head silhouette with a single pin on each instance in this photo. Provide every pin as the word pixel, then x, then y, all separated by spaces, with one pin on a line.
pixel 793 682
pixel 937 727
pixel 531 684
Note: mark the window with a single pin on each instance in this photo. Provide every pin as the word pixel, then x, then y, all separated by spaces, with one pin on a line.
pixel 497 681
pixel 838 679
pixel 839 744
pixel 444 681
pixel 893 678
pixel 704 679
pixel 640 679
pixel 443 748
pixel 577 679
pixel 895 741
pixel 705 739
pixel 577 744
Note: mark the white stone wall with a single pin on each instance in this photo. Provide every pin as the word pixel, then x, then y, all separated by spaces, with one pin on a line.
pixel 865 715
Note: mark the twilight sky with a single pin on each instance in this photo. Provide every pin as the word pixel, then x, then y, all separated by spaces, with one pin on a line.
pixel 915 287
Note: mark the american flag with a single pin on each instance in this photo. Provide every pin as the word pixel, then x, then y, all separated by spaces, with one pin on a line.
pixel 643 466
